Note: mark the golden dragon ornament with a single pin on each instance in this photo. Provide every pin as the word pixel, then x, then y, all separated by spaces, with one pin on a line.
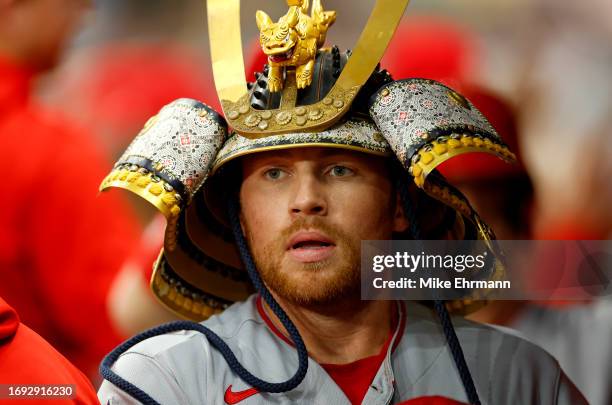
pixel 291 44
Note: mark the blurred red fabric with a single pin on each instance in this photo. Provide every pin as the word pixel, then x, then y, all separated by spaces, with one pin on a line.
pixel 112 89
pixel 60 245
pixel 26 358
pixel 432 47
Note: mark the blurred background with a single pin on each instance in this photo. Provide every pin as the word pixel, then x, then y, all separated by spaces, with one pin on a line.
pixel 550 60
pixel 541 69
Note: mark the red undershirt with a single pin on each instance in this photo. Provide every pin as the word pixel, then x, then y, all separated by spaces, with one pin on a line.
pixel 353 378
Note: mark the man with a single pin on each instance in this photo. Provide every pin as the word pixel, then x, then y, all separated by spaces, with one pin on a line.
pixel 60 245
pixel 295 198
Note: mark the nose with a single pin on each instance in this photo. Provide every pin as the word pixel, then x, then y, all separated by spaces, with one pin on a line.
pixel 308 197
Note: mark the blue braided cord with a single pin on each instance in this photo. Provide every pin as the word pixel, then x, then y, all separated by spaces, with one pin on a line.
pixel 457 352
pixel 112 357
pixel 410 210
pixel 214 340
pixel 247 260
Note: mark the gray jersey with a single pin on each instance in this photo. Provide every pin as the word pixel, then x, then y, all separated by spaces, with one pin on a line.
pixel 580 338
pixel 182 367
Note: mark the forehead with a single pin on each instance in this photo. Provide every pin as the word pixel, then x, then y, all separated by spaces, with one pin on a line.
pixel 310 154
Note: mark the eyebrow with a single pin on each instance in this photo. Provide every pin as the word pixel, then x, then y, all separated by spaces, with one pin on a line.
pixel 323 153
pixel 273 157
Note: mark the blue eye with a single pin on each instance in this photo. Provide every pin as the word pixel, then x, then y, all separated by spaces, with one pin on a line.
pixel 340 171
pixel 273 174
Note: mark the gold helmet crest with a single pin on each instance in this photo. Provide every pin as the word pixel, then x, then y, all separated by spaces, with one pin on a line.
pixel 291 44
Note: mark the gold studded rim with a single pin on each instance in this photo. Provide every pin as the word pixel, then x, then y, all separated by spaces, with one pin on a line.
pixel 429 156
pixel 443 194
pixel 144 186
pixel 177 303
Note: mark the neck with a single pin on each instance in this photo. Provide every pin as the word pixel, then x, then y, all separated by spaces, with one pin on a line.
pixel 348 331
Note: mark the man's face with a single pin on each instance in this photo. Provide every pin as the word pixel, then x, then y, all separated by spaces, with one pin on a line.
pixel 305 212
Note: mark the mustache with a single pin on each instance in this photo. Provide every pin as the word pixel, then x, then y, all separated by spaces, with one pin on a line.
pixel 313 224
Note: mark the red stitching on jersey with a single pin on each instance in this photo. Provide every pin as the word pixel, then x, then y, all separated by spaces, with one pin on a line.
pixel 268 321
pixel 402 325
pixel 277 332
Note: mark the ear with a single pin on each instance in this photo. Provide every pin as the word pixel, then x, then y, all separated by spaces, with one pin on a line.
pixel 263 20
pixel 293 17
pixel 400 222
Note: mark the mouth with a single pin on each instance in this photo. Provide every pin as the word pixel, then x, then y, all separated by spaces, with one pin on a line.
pixel 309 247
pixel 280 56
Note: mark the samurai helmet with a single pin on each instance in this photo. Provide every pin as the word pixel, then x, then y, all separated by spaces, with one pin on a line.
pixel 307 95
